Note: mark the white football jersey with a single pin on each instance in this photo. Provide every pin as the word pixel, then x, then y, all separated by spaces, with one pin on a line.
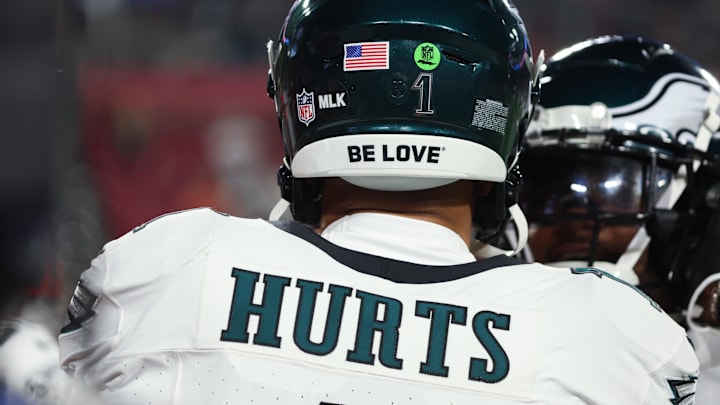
pixel 199 307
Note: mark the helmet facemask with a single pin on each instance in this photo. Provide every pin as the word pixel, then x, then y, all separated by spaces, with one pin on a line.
pixel 581 186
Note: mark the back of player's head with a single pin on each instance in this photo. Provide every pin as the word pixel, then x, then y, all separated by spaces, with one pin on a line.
pixel 621 138
pixel 398 95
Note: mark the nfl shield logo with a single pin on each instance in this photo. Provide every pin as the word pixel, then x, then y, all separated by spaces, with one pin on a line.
pixel 306 107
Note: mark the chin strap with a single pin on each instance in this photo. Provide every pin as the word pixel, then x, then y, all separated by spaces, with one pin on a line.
pixel 632 254
pixel 539 65
pixel 521 226
pixel 518 238
pixel 280 208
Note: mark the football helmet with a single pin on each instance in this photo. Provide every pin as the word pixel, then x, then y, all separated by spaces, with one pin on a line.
pixel 616 162
pixel 398 95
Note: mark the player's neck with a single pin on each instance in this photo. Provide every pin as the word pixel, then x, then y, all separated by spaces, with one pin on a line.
pixel 449 206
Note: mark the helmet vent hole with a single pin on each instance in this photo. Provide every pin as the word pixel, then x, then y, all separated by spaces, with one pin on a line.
pixel 333 59
pixel 458 59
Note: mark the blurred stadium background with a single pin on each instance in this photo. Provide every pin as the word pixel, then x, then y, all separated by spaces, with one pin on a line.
pixel 116 111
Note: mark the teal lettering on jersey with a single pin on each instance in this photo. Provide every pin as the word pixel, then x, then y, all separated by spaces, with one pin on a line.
pixel 242 307
pixel 501 362
pixel 600 273
pixel 377 317
pixel 368 324
pixel 440 316
pixel 306 309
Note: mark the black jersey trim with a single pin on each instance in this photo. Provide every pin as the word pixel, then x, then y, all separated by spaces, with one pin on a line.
pixel 391 269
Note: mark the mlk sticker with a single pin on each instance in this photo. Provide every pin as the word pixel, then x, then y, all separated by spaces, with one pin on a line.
pixel 306 107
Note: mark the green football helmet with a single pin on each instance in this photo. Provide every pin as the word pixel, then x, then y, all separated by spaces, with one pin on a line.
pixel 398 95
pixel 623 137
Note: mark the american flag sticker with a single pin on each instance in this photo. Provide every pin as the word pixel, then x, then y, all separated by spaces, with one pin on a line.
pixel 366 56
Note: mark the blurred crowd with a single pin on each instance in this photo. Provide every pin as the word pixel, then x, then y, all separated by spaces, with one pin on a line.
pixel 116 111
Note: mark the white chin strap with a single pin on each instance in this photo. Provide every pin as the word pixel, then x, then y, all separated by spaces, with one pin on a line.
pixel 518 238
pixel 280 208
pixel 521 225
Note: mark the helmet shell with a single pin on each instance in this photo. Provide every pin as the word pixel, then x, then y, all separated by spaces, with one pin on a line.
pixel 609 104
pixel 441 91
pixel 643 82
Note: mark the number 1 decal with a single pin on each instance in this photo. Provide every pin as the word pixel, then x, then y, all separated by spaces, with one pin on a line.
pixel 423 84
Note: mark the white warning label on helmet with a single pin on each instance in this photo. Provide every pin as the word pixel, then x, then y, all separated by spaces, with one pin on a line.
pixel 490 115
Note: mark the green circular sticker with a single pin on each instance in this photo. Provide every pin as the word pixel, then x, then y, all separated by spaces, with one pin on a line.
pixel 427 56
